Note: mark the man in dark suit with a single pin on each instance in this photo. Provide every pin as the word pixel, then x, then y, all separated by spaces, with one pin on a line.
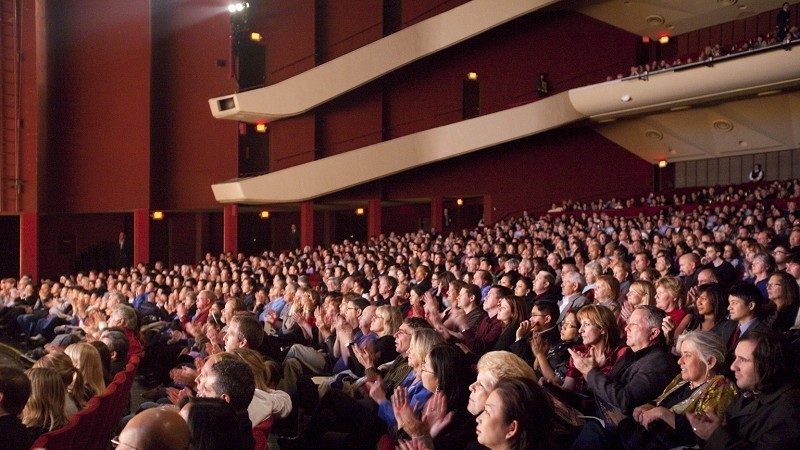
pixel 744 306
pixel 122 251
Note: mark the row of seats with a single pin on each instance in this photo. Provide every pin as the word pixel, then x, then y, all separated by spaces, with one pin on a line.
pixel 91 428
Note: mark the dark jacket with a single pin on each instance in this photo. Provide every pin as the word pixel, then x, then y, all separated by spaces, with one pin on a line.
pixel 636 378
pixel 768 421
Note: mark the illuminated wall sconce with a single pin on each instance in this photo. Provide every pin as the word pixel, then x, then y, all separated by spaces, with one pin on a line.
pixel 255 37
pixel 664 39
pixel 645 39
pixel 472 76
pixel 261 128
pixel 158 215
pixel 359 211
pixel 264 214
pixel 662 163
pixel 460 201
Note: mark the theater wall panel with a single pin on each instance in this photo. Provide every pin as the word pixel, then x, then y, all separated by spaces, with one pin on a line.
pixel 97 153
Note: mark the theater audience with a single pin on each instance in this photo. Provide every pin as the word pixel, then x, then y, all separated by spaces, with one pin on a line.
pixel 230 379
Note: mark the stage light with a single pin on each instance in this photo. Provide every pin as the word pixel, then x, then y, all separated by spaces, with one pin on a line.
pixel 234 8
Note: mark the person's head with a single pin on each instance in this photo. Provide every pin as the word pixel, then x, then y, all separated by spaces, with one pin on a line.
pixel 761 364
pixel 447 369
pixel 571 283
pixel 688 263
pixel 117 343
pixel 701 354
pixel 492 300
pixel 87 360
pixel 762 264
pixel 123 316
pixel 422 342
pixel 544 315
pixel 402 337
pixel 511 311
pixel 641 293
pixel 606 288
pixel 243 331
pixel 70 376
pixel 782 288
pixel 517 415
pixel 644 327
pixel 469 296
pixel 156 429
pixel 669 293
pixel 570 327
pixel 712 300
pixel 598 327
pixel 45 406
pixel 210 422
pixel 15 389
pixel 523 287
pixel 387 320
pixel 543 281
pixel 744 302
pixel 493 367
pixel 227 378
pixel 706 276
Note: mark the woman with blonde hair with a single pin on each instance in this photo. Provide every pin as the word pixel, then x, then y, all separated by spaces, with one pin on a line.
pixel 44 411
pixel 606 293
pixel 640 293
pixel 70 376
pixel 86 359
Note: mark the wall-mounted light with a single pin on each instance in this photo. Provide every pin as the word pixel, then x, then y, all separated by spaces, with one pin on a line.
pixel 645 39
pixel 359 211
pixel 255 37
pixel 157 215
pixel 472 76
pixel 264 214
pixel 664 39
pixel 625 98
pixel 460 201
pixel 662 163
pixel 261 128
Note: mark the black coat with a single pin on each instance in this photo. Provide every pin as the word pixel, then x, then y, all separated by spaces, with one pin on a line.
pixel 770 421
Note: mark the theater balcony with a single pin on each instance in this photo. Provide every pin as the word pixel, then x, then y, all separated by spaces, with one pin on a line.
pixel 323 83
pixel 697 86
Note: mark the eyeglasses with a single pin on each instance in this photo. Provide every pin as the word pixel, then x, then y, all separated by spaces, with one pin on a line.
pixel 569 325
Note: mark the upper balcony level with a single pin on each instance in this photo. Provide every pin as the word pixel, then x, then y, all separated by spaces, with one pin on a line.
pixel 323 83
pixel 613 105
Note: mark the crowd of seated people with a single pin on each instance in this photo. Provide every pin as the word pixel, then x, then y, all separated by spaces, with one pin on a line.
pixel 786 34
pixel 674 329
pixel 701 196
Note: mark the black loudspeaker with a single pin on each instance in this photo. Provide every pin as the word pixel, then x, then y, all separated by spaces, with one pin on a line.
pixel 471 99
pixel 252 67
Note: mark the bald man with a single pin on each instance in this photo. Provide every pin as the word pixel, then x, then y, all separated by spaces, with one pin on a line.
pixel 155 429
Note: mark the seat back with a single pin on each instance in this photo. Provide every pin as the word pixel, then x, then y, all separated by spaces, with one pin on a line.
pixel 261 434
pixel 75 433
